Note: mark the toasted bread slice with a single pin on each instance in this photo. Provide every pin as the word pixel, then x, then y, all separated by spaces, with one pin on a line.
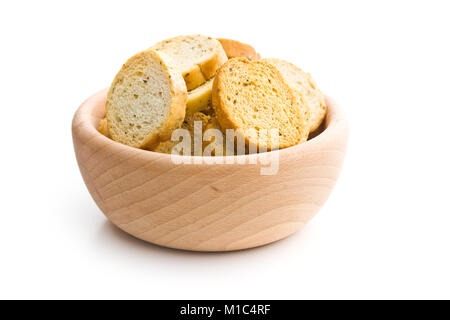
pixel 188 124
pixel 218 148
pixel 209 110
pixel 146 101
pixel 196 57
pixel 199 98
pixel 252 95
pixel 103 128
pixel 235 49
pixel 303 82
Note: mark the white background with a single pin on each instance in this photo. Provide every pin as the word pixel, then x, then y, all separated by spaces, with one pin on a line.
pixel 385 230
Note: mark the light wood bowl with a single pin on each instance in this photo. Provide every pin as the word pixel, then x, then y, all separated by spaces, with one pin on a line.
pixel 203 207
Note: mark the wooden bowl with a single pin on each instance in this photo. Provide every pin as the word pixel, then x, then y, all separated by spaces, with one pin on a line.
pixel 207 207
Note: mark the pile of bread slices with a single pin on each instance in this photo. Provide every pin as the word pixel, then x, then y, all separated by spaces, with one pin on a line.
pixel 217 83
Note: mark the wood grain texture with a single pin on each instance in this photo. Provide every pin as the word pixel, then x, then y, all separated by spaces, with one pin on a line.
pixel 203 207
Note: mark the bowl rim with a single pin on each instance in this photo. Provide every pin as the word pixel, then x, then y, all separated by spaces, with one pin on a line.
pixel 334 125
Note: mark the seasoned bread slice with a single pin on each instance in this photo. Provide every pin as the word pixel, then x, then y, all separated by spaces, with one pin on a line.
pixel 235 49
pixel 196 57
pixel 303 82
pixel 188 124
pixel 209 110
pixel 103 128
pixel 252 95
pixel 146 101
pixel 199 98
pixel 218 148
